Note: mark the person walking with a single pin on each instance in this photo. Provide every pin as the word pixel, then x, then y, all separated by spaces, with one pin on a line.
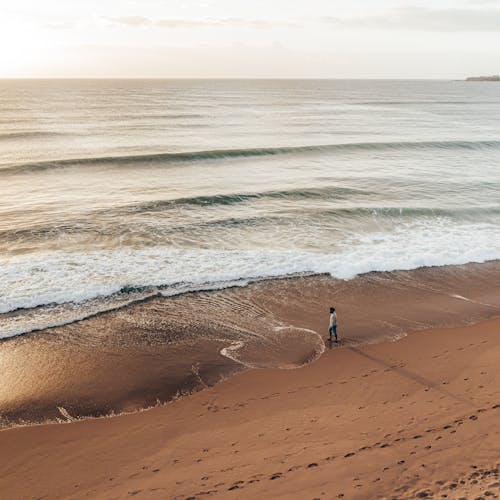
pixel 333 324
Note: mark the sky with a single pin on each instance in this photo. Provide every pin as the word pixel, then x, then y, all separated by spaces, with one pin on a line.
pixel 249 39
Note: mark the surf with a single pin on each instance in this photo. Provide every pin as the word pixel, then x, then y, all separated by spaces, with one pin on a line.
pixel 225 154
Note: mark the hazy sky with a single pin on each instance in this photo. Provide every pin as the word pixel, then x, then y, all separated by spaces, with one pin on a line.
pixel 258 38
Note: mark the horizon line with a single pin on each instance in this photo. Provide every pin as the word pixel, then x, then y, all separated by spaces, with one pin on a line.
pixel 234 78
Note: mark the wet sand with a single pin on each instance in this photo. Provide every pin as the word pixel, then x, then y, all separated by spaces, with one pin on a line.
pixel 156 350
pixel 416 418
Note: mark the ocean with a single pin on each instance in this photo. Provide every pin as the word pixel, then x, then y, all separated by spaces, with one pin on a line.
pixel 112 191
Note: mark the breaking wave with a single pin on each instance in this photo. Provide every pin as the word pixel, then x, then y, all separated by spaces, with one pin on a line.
pixel 220 154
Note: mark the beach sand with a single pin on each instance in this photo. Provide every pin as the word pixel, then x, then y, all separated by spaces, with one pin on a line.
pixel 414 418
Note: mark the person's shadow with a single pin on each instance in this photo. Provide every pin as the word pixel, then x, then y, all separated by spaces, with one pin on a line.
pixel 403 372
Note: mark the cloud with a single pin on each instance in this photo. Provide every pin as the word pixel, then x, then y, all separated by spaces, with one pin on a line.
pixel 483 2
pixel 425 19
pixel 130 20
pixel 230 22
pixel 59 26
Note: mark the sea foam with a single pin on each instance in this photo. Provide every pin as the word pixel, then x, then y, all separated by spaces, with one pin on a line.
pixel 61 277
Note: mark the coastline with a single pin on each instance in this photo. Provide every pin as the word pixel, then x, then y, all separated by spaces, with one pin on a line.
pixel 405 419
pixel 159 349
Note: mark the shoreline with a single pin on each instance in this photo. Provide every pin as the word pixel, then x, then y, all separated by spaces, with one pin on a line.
pixel 416 416
pixel 156 292
pixel 149 353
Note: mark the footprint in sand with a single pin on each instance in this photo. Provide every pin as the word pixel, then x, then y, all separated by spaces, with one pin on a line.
pixel 237 484
pixel 423 494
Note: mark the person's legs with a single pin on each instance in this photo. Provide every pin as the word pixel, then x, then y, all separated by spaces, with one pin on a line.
pixel 335 333
pixel 330 331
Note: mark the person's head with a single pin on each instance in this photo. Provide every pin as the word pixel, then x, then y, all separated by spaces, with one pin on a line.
pixel 332 309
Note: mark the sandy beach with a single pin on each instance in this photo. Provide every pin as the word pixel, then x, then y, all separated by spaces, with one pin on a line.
pixel 415 418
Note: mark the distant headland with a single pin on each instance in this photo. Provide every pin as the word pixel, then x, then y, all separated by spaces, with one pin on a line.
pixel 493 78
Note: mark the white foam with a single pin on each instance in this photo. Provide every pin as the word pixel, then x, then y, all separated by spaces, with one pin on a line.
pixel 230 352
pixel 61 277
pixel 461 297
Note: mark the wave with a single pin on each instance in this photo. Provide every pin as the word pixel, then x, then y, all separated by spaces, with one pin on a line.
pixel 236 198
pixel 222 154
pixel 75 277
pixel 6 136
pixel 80 226
pixel 419 102
pixel 161 116
pixel 398 212
pixel 394 215
pixel 355 212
